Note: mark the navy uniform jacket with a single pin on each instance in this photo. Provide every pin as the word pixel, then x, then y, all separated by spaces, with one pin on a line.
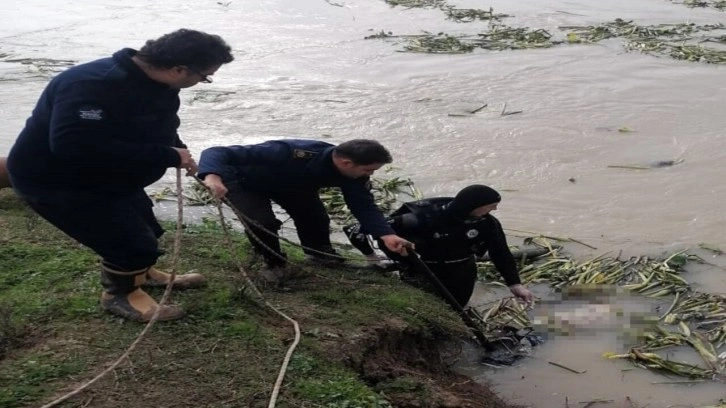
pixel 290 165
pixel 103 126
pixel 439 237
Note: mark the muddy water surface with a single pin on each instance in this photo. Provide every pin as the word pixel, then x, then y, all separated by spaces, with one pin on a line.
pixel 303 69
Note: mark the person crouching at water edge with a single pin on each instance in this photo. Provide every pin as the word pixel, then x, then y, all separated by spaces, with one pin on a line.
pixel 291 172
pixel 100 133
pixel 448 234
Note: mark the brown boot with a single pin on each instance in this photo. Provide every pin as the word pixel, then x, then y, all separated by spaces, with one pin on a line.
pixel 157 278
pixel 139 307
pixel 123 297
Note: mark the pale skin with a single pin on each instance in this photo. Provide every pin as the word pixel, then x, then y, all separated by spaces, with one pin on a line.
pixel 178 77
pixel 346 167
pixel 518 290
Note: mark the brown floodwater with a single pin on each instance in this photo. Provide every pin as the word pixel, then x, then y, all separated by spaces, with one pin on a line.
pixel 303 69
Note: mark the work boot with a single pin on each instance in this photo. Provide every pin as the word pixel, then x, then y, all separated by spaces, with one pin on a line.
pixel 124 297
pixel 157 278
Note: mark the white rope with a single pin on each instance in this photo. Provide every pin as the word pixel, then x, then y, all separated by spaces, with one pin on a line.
pixel 154 317
pixel 296 326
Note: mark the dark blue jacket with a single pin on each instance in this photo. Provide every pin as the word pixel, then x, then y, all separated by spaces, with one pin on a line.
pixel 290 165
pixel 102 126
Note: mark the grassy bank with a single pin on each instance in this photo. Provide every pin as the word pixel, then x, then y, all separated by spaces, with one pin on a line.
pixel 368 340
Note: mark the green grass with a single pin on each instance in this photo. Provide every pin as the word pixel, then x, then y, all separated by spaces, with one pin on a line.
pixel 30 375
pixel 38 281
pixel 226 352
pixel 358 305
pixel 337 387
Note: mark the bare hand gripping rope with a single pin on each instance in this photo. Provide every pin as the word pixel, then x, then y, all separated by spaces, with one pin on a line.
pixel 247 221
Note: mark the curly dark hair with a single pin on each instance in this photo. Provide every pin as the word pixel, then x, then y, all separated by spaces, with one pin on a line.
pixel 194 49
pixel 363 152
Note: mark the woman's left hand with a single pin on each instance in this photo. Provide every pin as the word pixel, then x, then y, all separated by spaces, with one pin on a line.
pixel 522 292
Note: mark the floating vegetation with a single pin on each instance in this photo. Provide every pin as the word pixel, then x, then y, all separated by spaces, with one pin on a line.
pixel 437 44
pixel 720 39
pixel 715 4
pixel 623 28
pixel 649 277
pixel 210 96
pixel 678 41
pixel 385 192
pixel 684 41
pixel 417 3
pixel 693 53
pixel 460 15
pixel 43 65
pixel 380 34
pixel 470 15
pixel 692 319
pixel 501 37
pixel 654 361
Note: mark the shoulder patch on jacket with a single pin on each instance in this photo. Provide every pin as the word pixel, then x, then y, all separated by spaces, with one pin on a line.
pixel 303 154
pixel 90 113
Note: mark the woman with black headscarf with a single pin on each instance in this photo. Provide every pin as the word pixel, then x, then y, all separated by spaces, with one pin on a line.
pixel 448 234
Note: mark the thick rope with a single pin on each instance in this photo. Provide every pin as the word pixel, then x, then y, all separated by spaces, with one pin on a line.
pixel 285 361
pixel 296 326
pixel 154 317
pixel 247 221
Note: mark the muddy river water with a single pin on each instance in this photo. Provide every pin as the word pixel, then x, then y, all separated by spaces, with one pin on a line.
pixel 303 69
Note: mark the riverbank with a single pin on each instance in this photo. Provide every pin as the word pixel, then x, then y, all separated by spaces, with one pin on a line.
pixel 367 339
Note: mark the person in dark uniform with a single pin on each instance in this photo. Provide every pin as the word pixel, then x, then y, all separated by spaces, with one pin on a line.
pixel 100 133
pixel 291 172
pixel 449 233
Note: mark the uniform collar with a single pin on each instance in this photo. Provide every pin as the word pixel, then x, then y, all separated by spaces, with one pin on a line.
pixel 322 164
pixel 123 58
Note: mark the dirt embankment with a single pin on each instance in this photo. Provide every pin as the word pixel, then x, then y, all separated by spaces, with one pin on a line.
pixel 393 350
pixel 368 341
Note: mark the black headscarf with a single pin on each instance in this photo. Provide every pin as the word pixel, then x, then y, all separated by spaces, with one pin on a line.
pixel 470 198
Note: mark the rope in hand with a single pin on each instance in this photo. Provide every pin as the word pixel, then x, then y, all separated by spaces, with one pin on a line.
pixel 247 221
pixel 155 316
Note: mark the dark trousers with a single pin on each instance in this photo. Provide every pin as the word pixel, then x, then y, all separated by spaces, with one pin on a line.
pixel 458 278
pixel 304 207
pixel 120 229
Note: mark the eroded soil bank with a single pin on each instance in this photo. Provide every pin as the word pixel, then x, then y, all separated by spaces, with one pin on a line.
pixel 367 340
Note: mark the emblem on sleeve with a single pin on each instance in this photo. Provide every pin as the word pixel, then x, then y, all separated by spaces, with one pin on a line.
pixel 472 233
pixel 90 113
pixel 303 154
